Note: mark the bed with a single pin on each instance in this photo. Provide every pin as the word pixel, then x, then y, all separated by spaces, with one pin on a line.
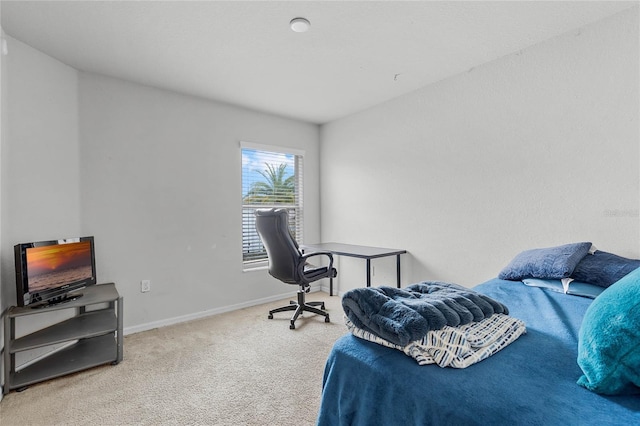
pixel 532 381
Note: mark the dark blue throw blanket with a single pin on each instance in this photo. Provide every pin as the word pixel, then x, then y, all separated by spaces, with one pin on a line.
pixel 401 316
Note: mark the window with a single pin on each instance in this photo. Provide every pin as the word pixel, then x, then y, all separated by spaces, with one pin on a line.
pixel 271 177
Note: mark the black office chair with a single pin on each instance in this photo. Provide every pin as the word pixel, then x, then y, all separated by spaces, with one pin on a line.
pixel 288 264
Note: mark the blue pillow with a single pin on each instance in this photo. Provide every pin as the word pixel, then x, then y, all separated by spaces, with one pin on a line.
pixel 551 263
pixel 603 269
pixel 609 340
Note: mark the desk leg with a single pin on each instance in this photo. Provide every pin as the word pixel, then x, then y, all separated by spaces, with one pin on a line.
pixel 398 269
pixel 368 272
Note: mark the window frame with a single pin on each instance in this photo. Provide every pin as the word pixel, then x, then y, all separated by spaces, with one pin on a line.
pixel 296 210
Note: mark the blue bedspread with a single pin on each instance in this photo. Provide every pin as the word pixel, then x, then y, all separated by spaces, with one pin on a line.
pixel 530 382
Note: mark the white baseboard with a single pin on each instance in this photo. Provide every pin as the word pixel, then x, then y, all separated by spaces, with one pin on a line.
pixel 325 287
pixel 208 313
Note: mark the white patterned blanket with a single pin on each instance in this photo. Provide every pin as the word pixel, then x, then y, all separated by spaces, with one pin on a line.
pixel 457 347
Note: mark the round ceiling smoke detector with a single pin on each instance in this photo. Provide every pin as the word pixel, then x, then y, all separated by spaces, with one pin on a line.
pixel 300 25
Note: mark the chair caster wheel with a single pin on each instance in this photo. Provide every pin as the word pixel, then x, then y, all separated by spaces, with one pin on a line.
pixel 292 326
pixel 326 319
pixel 323 308
pixel 270 316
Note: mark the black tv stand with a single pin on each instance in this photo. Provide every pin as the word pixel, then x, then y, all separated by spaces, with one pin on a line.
pixel 92 337
pixel 57 300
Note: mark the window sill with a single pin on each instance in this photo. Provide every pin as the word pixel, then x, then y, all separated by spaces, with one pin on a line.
pixel 255 267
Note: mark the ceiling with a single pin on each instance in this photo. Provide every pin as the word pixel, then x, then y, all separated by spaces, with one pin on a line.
pixel 357 54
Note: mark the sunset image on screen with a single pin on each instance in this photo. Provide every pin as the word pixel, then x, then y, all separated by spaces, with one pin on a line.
pixel 56 265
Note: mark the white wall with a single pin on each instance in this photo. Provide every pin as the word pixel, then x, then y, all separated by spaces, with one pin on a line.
pixel 153 175
pixel 40 192
pixel 535 149
pixel 161 192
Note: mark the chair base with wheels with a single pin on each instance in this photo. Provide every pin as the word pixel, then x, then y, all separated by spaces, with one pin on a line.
pixel 301 306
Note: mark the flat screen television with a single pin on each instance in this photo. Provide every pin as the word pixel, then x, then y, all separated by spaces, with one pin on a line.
pixel 50 272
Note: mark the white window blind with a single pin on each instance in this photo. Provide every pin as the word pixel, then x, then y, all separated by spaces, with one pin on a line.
pixel 270 178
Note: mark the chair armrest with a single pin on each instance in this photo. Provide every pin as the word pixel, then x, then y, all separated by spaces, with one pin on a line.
pixel 306 256
pixel 319 253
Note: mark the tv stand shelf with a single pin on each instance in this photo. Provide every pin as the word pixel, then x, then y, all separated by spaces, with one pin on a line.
pixel 94 338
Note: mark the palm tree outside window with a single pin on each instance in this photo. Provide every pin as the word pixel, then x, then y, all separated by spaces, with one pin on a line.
pixel 270 178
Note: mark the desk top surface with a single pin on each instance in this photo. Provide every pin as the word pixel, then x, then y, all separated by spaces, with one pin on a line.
pixel 352 250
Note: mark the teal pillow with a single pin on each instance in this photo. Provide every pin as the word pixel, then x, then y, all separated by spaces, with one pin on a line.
pixel 609 339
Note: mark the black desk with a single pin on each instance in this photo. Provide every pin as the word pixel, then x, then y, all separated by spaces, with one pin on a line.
pixel 363 252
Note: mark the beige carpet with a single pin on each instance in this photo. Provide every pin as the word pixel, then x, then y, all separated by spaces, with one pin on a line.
pixel 237 368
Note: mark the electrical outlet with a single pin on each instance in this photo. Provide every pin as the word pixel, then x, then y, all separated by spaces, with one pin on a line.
pixel 145 286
